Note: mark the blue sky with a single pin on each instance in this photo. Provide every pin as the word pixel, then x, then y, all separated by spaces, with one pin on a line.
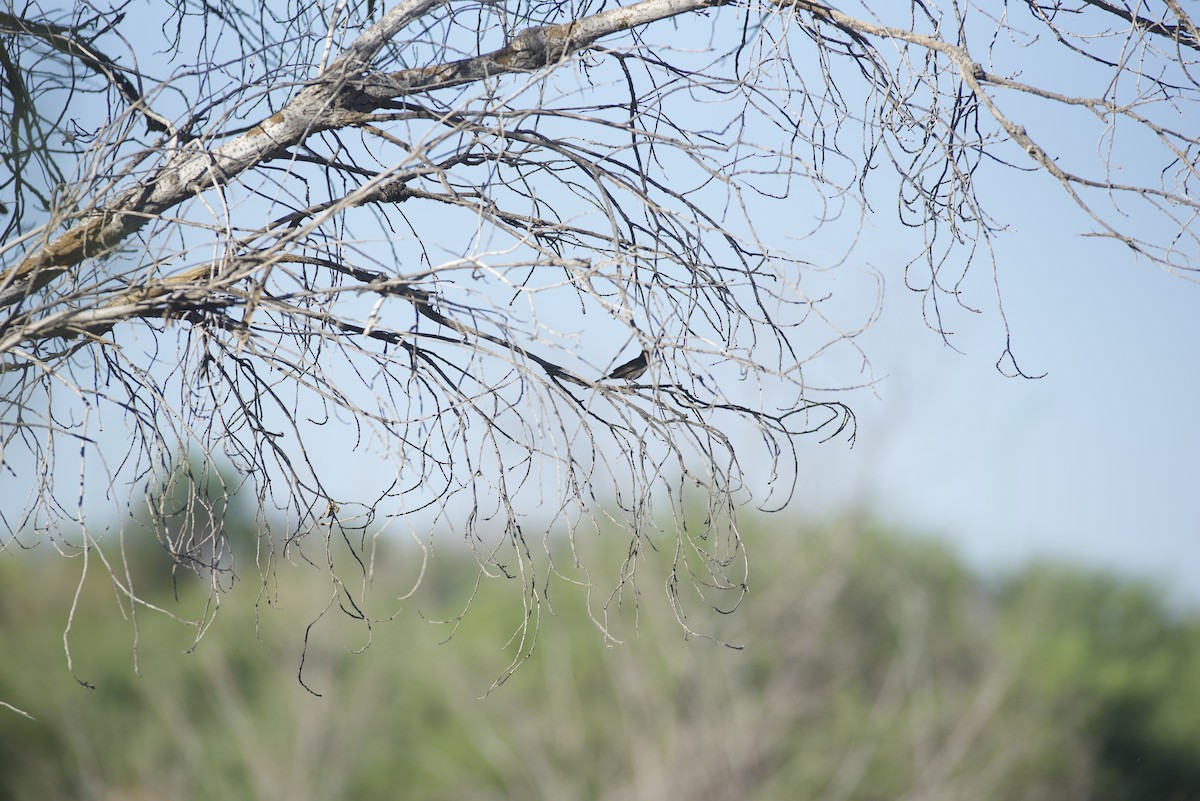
pixel 1098 462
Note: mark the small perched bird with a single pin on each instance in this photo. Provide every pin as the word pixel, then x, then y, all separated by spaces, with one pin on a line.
pixel 632 369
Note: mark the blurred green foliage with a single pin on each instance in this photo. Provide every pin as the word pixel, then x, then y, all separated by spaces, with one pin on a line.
pixel 875 666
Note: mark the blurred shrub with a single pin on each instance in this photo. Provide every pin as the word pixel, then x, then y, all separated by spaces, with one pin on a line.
pixel 875 667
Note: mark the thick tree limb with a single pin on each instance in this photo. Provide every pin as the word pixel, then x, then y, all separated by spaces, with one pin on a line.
pixel 334 99
pixel 340 97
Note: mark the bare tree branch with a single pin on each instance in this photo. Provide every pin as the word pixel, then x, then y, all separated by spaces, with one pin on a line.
pixel 437 233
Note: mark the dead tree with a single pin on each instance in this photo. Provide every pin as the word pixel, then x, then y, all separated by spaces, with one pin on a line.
pixel 381 263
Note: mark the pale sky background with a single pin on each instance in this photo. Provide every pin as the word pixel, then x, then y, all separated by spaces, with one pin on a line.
pixel 1097 463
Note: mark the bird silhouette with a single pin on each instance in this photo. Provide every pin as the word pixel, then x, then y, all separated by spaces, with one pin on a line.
pixel 632 369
